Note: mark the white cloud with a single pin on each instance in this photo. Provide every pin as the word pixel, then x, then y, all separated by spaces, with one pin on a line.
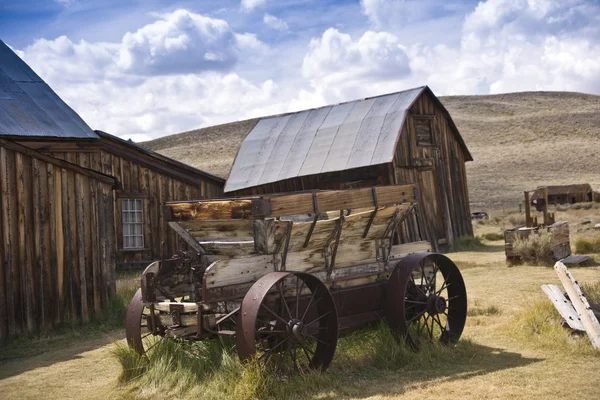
pixel 249 41
pixel 275 23
pixel 249 5
pixel 338 66
pixel 179 42
pixel 168 76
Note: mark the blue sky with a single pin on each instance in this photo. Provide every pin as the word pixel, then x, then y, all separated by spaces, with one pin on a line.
pixel 148 68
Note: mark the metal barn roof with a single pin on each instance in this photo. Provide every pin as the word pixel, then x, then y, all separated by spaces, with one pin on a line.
pixel 29 107
pixel 332 138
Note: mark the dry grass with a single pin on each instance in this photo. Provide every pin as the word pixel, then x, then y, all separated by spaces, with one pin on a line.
pixel 535 248
pixel 587 244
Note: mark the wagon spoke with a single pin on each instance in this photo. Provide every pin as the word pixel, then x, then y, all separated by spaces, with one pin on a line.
pixel 415 317
pixel 273 313
pixel 309 303
pixel 318 318
pixel 279 284
pixel 317 339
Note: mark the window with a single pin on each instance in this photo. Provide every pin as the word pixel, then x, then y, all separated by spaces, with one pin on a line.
pixel 133 224
pixel 423 130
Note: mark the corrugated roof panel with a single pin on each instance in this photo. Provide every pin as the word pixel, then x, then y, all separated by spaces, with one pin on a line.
pixel 369 132
pixel 283 146
pixel 344 140
pixel 30 107
pixel 304 138
pixel 244 161
pixel 392 125
pixel 264 152
pixel 324 138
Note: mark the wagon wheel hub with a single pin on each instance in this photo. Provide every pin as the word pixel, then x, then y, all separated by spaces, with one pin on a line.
pixel 297 330
pixel 436 304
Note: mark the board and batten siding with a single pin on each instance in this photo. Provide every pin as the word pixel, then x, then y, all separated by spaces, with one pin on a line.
pixel 438 169
pixel 57 257
pixel 137 179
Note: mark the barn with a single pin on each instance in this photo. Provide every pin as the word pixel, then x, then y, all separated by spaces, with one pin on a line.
pixel 76 203
pixel 402 137
pixel 562 194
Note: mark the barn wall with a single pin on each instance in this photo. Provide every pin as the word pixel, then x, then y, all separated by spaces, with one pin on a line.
pixel 137 178
pixel 438 169
pixel 57 257
pixel 349 179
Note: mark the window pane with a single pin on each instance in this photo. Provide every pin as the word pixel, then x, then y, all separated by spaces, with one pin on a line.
pixel 133 228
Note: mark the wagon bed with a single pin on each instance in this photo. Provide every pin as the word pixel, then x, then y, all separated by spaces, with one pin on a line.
pixel 336 258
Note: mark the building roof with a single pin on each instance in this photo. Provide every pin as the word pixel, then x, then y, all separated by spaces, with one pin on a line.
pixel 162 162
pixel 30 108
pixel 349 135
pixel 562 190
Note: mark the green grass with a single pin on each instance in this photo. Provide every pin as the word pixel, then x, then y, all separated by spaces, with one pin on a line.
pixel 39 342
pixel 587 244
pixel 210 369
pixel 467 243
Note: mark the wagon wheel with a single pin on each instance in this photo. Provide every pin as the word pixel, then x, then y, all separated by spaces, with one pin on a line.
pixel 288 323
pixel 426 298
pixel 138 327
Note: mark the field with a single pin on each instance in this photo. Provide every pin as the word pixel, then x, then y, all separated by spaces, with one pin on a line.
pixel 512 347
pixel 518 141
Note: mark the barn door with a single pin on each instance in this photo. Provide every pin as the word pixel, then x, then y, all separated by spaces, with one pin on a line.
pixel 432 202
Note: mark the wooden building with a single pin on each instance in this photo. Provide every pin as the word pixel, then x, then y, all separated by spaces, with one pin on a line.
pixel 76 204
pixel 562 194
pixel 403 137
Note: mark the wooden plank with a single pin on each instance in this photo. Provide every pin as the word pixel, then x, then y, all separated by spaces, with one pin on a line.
pixel 564 307
pixel 95 249
pixel 290 204
pixel 55 161
pixel 227 272
pixel 3 269
pixel 187 237
pixel 10 237
pixel 82 249
pixel 582 306
pixel 46 275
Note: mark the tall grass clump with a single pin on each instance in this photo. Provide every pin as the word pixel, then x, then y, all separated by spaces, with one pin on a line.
pixel 210 369
pixel 535 248
pixel 539 325
pixel 467 243
pixel 516 219
pixel 588 244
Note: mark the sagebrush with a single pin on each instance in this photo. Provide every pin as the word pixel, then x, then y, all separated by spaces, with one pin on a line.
pixel 535 248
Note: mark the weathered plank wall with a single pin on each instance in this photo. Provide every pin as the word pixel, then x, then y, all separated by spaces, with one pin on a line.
pixel 438 169
pixel 137 178
pixel 57 256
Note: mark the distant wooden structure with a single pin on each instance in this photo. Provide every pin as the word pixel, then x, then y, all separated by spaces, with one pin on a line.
pixel 75 204
pixel 561 194
pixel 403 137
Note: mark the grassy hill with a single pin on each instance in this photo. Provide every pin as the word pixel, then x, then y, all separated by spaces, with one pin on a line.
pixel 518 141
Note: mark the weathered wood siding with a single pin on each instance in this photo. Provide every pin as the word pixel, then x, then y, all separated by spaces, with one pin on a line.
pixel 57 256
pixel 137 178
pixel 438 169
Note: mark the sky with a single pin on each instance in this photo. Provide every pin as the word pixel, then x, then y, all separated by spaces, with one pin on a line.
pixel 143 69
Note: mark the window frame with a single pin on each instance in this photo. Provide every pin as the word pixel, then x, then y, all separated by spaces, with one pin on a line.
pixel 420 119
pixel 132 217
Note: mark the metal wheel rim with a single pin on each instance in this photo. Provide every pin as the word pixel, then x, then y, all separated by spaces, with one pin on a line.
pixel 291 336
pixel 138 332
pixel 413 310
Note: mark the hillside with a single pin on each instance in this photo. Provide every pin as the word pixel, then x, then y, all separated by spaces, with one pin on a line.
pixel 518 141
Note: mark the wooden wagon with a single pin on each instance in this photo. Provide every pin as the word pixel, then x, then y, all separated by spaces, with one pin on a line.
pixel 284 274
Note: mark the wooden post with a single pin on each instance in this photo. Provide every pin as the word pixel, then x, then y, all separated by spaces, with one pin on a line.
pixel 584 311
pixel 528 221
pixel 546 217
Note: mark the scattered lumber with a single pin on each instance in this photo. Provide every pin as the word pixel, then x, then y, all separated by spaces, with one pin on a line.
pixel 584 310
pixel 564 307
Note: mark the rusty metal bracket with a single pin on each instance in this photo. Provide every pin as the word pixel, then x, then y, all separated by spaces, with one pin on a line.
pixel 372 218
pixel 176 310
pixel 334 238
pixel 312 226
pixel 395 227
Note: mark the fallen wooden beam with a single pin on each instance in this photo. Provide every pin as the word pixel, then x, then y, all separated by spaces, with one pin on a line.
pixel 564 307
pixel 580 303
